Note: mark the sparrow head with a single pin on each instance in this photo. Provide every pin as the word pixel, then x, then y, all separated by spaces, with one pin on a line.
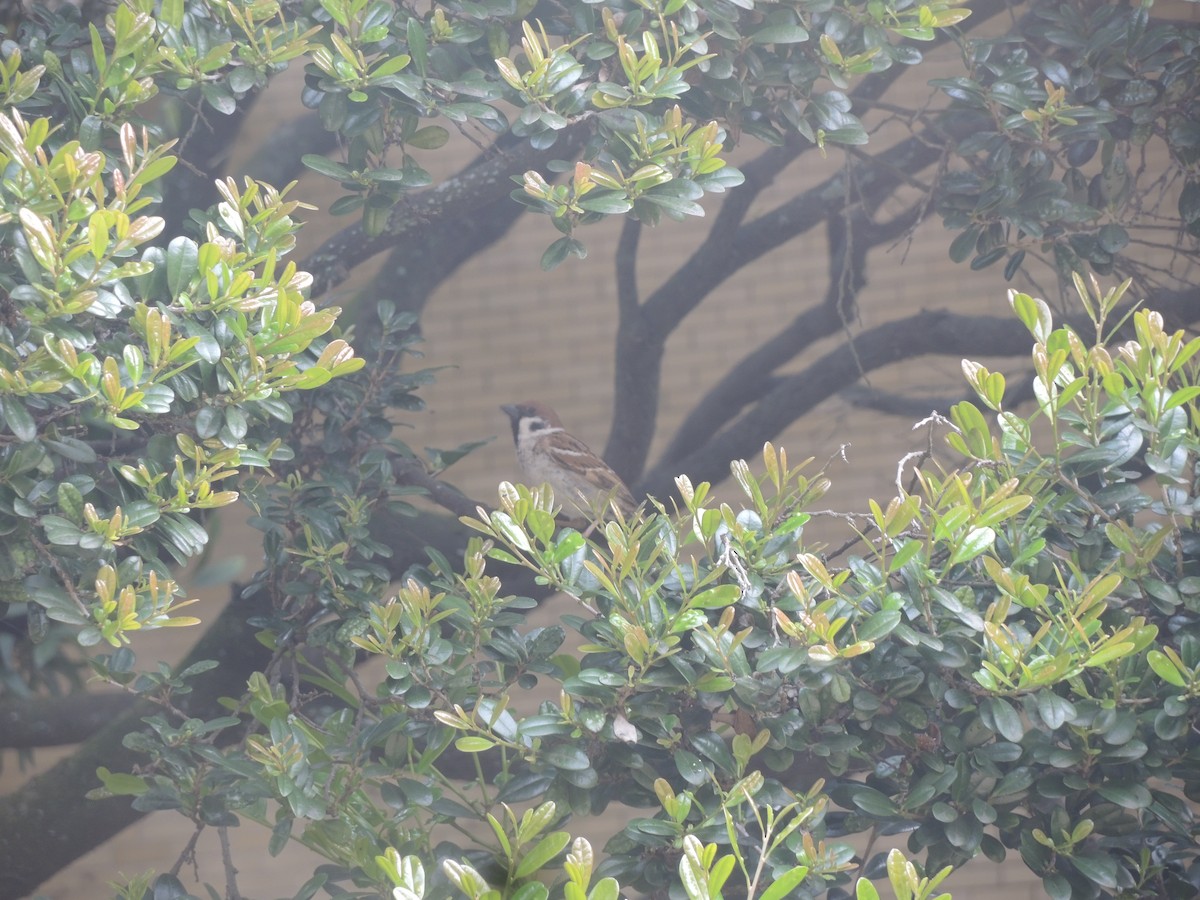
pixel 531 418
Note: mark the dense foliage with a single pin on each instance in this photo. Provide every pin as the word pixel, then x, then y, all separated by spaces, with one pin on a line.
pixel 1006 660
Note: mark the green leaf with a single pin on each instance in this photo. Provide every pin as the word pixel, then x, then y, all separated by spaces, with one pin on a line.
pixel 337 11
pixel 558 252
pixel 474 743
pixel 1007 720
pixel 169 887
pixel 1112 238
pixel 390 66
pixel 544 851
pixel 713 747
pixel 280 835
pixel 60 531
pixel 1014 265
pixel 429 138
pixel 780 34
pixel 418 44
pixel 567 757
pixel 1129 796
pixel 716 598
pixel 783 886
pixel 964 244
pixel 690 767
pixel 873 802
pixel 324 166
pixel 1165 669
pixel 679 206
pixel 976 542
pixel 219 98
pixel 1098 868
pixel 122 784
pixel 879 625
pixel 182 264
pixel 510 531
pixel 607 202
pixel 18 419
pixel 72 449
pixel 693 874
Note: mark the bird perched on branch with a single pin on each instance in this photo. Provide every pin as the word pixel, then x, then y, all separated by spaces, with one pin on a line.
pixel 548 453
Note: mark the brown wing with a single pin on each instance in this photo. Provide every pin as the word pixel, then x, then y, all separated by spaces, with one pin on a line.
pixel 576 457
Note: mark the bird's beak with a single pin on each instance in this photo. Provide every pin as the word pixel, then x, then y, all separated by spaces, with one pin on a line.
pixel 510 410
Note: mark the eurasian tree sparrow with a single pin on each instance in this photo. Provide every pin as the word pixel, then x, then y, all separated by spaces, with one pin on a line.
pixel 548 454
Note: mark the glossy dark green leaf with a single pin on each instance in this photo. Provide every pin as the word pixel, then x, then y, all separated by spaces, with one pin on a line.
pixel 963 244
pixel 418 44
pixel 712 746
pixel 168 887
pixel 690 767
pixel 564 756
pixel 1007 720
pixel 325 166
pixel 558 252
pixel 1100 869
pixel 780 34
pixel 874 802
pixel 1129 796
pixel 17 418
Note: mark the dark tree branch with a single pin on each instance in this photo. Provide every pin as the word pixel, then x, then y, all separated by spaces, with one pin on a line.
pixel 719 259
pixel 907 406
pixel 277 159
pixel 412 472
pixel 751 377
pixel 731 245
pixel 928 332
pixel 41 721
pixel 204 151
pixel 637 366
pixel 747 380
pixel 628 300
pixel 427 257
pixel 860 396
pixel 640 344
pixel 705 271
pixel 448 204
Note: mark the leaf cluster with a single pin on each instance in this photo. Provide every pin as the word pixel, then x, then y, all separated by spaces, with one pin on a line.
pixel 1007 664
pixel 660 90
pixel 138 381
pixel 1074 101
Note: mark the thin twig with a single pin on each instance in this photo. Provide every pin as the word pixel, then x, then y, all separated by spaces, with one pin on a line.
pixel 931 420
pixel 231 888
pixel 188 852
